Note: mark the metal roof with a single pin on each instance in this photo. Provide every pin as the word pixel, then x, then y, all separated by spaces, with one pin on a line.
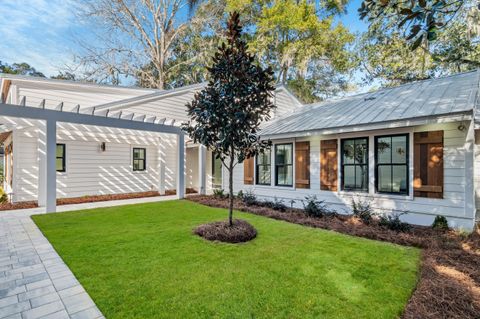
pixel 429 98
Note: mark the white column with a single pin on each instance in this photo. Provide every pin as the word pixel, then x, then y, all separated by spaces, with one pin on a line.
pixel 469 172
pixel 51 172
pixel 180 165
pixel 161 166
pixel 202 170
pixel 42 163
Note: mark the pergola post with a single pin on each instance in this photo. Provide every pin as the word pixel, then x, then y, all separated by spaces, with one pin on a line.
pixel 202 172
pixel 161 166
pixel 50 167
pixel 181 165
pixel 42 163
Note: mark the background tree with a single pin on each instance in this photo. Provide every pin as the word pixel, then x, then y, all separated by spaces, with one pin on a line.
pixel 226 115
pixel 421 20
pixel 20 69
pixel 135 38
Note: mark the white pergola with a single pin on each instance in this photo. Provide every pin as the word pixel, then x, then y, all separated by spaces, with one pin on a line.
pixel 47 196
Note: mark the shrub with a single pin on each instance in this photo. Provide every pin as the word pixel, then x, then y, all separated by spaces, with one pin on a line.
pixel 440 223
pixel 3 196
pixel 362 210
pixel 315 207
pixel 240 194
pixel 249 198
pixel 393 222
pixel 218 193
pixel 279 205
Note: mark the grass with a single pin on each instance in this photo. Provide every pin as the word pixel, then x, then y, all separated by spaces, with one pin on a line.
pixel 142 261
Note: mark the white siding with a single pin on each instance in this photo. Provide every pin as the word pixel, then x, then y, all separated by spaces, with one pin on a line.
pixel 421 210
pixel 89 171
pixel 192 169
pixel 285 102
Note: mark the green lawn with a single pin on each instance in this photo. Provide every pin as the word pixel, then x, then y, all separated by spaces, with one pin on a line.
pixel 142 261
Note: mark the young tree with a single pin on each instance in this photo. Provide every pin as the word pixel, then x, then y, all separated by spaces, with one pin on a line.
pixel 226 115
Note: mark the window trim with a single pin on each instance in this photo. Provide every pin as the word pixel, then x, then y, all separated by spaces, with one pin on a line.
pixel 257 171
pixel 407 164
pixel 63 157
pixel 342 165
pixel 276 165
pixel 144 159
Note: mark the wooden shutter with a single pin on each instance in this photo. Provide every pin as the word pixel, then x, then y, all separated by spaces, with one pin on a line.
pixel 328 165
pixel 5 89
pixel 428 164
pixel 302 164
pixel 248 169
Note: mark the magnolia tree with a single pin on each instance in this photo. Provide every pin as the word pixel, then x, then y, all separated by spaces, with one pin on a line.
pixel 227 113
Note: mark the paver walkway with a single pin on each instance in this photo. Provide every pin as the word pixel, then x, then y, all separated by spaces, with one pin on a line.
pixel 34 280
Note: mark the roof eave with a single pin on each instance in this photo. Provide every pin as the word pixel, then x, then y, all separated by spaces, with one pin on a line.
pixel 409 122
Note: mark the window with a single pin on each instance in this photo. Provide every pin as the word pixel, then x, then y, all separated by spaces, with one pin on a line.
pixel 264 170
pixel 284 164
pixel 60 158
pixel 139 155
pixel 391 158
pixel 216 172
pixel 355 164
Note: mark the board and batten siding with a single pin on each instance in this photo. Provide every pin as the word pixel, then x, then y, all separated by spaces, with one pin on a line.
pixel 421 210
pixel 90 171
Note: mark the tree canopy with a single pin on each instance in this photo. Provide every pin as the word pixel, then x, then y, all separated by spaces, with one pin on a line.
pixel 227 113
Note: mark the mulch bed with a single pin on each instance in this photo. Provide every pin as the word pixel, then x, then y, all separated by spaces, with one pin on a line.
pixel 20 205
pixel 240 232
pixel 449 283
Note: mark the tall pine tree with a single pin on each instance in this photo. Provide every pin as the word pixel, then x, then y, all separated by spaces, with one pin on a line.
pixel 227 113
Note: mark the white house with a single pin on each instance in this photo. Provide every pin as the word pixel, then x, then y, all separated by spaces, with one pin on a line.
pixel 409 148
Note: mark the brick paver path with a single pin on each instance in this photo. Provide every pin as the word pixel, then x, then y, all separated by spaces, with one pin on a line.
pixel 34 280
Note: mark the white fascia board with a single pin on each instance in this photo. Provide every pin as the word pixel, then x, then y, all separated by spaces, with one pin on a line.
pixel 461 116
pixel 26 112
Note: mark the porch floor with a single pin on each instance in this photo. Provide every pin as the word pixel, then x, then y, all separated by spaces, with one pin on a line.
pixel 34 280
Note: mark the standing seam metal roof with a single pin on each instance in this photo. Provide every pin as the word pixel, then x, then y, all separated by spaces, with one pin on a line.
pixel 433 97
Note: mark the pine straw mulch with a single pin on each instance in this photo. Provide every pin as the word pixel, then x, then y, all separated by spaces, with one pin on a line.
pixel 449 283
pixel 240 232
pixel 19 205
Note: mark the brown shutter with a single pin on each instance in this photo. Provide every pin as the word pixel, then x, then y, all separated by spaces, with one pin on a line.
pixel 302 164
pixel 5 89
pixel 428 164
pixel 248 170
pixel 328 165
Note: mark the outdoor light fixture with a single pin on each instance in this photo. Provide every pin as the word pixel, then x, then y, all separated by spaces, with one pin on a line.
pixel 461 127
pixel 103 147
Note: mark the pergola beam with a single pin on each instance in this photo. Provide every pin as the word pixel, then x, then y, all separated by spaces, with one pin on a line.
pixel 47 192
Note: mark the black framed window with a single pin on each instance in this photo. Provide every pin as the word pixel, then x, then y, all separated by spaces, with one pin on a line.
pixel 264 168
pixel 60 158
pixel 216 172
pixel 139 159
pixel 355 164
pixel 391 164
pixel 284 164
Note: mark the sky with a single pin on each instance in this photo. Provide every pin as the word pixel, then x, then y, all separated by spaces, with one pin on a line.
pixel 45 33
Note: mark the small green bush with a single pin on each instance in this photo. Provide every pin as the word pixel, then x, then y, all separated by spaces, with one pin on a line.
pixel 249 198
pixel 219 193
pixel 3 196
pixel 363 210
pixel 393 222
pixel 240 194
pixel 279 205
pixel 440 223
pixel 316 208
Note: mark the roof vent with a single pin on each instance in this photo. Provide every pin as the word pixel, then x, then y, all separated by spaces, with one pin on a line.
pixel 370 98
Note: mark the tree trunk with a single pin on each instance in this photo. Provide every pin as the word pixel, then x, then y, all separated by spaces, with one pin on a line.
pixel 230 192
